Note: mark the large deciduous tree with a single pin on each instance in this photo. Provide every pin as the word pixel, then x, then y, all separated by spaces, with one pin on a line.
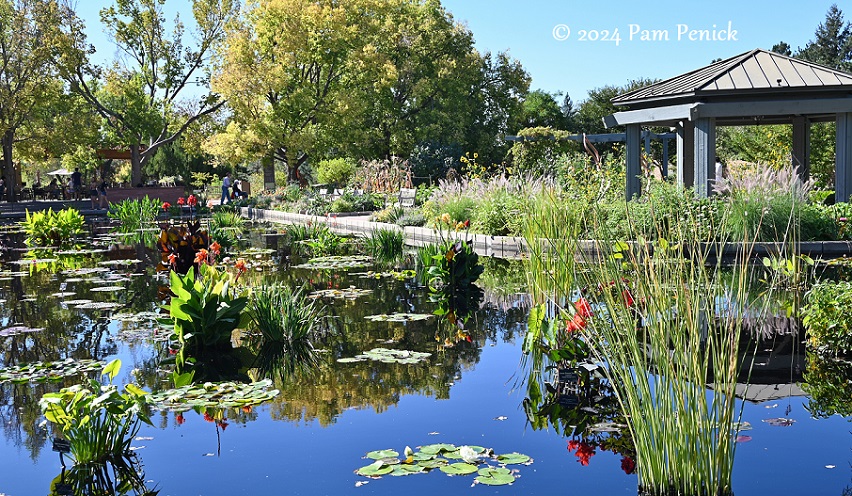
pixel 25 73
pixel 139 96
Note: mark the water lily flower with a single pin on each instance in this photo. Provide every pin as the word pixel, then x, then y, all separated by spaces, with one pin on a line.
pixel 468 455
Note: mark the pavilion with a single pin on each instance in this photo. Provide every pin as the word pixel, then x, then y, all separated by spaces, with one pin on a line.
pixel 753 88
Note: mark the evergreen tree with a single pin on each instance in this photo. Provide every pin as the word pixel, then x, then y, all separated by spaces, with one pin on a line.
pixel 832 46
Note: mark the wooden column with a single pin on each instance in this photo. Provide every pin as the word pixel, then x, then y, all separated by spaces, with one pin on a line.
pixel 843 158
pixel 685 154
pixel 802 146
pixel 633 144
pixel 665 163
pixel 705 156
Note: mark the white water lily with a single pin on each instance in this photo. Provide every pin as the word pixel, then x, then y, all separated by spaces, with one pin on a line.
pixel 468 455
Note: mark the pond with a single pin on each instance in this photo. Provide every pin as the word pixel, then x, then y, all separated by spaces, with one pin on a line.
pixel 99 304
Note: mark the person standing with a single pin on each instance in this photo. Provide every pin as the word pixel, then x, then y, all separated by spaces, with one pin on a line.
pixel 77 184
pixel 102 197
pixel 226 189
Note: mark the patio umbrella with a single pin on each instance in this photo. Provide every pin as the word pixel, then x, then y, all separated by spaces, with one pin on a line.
pixel 60 172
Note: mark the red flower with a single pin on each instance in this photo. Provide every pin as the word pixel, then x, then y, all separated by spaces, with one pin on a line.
pixel 572 445
pixel 576 324
pixel 247 409
pixel 240 266
pixel 584 452
pixel 179 420
pixel 172 258
pixel 192 201
pixel 467 223
pixel 628 465
pixel 215 247
pixel 167 205
pixel 583 308
pixel 223 425
pixel 628 298
pixel 201 256
pixel 208 417
pixel 181 201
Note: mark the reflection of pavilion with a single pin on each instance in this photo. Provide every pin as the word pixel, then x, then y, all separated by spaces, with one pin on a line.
pixel 778 361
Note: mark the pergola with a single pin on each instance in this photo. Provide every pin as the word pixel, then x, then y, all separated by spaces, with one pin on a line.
pixel 753 88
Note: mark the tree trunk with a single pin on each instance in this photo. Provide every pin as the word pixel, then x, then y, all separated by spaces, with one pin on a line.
pixel 136 166
pixel 9 166
pixel 268 163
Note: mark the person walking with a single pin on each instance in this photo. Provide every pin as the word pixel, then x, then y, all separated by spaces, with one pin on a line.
pixel 226 189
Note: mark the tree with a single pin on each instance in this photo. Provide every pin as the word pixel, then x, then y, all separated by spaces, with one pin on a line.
pixel 540 109
pixel 589 117
pixel 26 75
pixel 832 46
pixel 782 48
pixel 293 71
pixel 139 95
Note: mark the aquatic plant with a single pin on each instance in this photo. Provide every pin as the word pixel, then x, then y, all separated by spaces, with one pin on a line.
pixel 179 246
pixel 97 420
pixel 134 214
pixel 49 228
pixel 385 245
pixel 205 310
pixel 288 322
pixel 654 315
pixel 452 278
pixel 827 319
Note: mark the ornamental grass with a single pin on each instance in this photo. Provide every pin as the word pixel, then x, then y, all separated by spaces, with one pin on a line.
pixel 663 320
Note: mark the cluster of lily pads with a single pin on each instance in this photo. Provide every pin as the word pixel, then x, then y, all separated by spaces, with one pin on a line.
pixel 399 317
pixel 48 371
pixel 214 395
pixel 386 355
pixel 452 460
pixel 340 262
pixel 399 275
pixel 349 293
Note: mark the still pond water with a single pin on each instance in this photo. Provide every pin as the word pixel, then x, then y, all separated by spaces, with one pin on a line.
pixel 315 434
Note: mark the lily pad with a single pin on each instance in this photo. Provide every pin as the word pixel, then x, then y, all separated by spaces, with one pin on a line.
pixel 374 469
pixel 399 317
pixel 459 469
pixel 214 395
pixel 98 305
pixel 379 454
pixel 432 464
pixel 403 470
pixel 495 476
pixel 350 293
pixel 48 371
pixel 513 459
pixel 780 422
pixel 107 289
pixel 337 262
pixel 19 329
pixel 386 355
pixel 437 448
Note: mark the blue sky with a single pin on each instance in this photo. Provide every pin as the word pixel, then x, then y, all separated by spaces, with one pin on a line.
pixel 528 30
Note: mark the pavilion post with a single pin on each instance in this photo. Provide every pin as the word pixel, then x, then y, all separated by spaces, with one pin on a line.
pixel 685 154
pixel 802 146
pixel 705 156
pixel 843 158
pixel 633 143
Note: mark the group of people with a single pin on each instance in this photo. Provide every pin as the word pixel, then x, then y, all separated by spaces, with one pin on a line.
pixel 231 189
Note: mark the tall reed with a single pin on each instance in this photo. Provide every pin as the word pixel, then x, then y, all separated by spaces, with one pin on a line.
pixel 664 328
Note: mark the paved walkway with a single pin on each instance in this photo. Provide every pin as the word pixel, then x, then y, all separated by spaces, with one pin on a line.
pixel 491 246
pixel 17 210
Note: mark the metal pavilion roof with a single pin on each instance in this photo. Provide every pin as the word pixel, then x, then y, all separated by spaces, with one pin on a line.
pixel 755 72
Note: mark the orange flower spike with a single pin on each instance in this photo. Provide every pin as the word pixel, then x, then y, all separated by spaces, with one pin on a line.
pixel 201 256
pixel 215 248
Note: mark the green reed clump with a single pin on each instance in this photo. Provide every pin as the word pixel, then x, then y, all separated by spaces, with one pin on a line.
pixel 385 245
pixel 288 322
pixel 666 330
pixel 135 214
